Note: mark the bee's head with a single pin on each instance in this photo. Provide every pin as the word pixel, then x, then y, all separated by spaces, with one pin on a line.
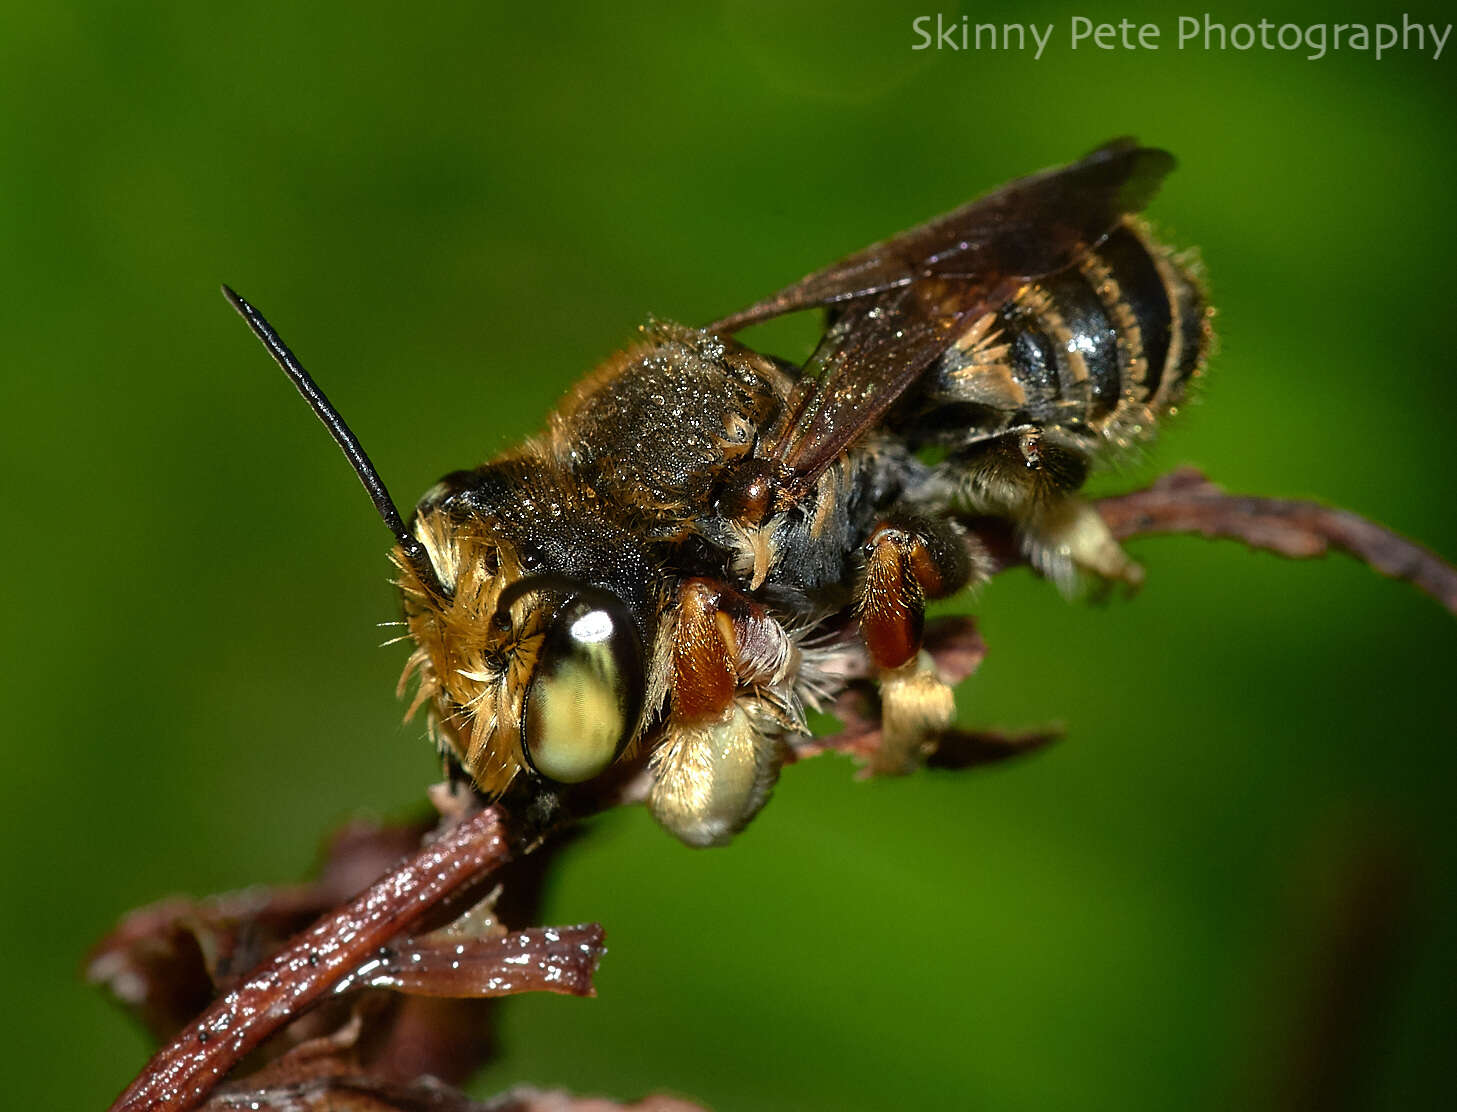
pixel 535 654
pixel 530 612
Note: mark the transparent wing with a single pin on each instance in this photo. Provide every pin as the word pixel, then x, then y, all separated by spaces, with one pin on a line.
pixel 899 304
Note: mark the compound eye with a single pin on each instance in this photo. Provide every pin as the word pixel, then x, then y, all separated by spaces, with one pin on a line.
pixel 586 696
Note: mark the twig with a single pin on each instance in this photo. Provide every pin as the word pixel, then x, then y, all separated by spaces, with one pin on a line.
pixel 539 959
pixel 1184 501
pixel 182 1073
pixel 371 1094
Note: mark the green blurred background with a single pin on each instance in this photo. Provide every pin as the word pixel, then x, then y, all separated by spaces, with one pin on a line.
pixel 451 212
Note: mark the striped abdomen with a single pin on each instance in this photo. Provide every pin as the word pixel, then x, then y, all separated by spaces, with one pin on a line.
pixel 1098 350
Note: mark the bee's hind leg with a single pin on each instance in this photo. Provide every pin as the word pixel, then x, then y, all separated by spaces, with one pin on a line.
pixel 1067 536
pixel 910 557
pixel 1029 477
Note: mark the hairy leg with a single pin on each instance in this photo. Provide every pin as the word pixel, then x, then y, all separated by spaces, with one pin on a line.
pixel 731 704
pixel 910 557
pixel 1030 477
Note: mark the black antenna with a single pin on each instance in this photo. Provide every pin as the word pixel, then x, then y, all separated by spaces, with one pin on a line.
pixel 414 551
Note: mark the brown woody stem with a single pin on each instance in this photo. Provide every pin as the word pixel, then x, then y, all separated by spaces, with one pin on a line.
pixel 181 1074
pixel 1184 501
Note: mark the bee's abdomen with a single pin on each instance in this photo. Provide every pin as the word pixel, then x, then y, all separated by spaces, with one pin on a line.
pixel 1101 348
pixel 1159 312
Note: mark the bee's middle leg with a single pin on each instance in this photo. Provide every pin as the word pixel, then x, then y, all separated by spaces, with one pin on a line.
pixel 910 558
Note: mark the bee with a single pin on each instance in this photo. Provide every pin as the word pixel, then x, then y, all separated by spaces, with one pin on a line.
pixel 657 568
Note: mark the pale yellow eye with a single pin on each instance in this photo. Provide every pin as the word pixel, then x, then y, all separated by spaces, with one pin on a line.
pixel 585 698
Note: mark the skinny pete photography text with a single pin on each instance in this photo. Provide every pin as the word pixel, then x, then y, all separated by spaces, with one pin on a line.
pixel 1312 41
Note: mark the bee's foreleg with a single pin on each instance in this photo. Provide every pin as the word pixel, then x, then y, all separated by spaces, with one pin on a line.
pixel 909 558
pixel 733 673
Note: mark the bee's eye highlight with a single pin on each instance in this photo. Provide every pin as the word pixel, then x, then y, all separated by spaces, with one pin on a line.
pixel 585 698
